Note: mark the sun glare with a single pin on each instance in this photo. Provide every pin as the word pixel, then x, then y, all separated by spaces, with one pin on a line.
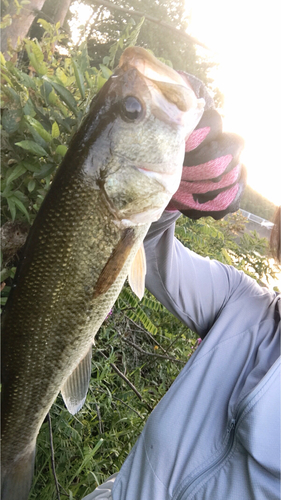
pixel 82 13
pixel 243 38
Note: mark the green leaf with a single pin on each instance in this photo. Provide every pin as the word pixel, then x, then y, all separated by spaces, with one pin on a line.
pixel 65 123
pixel 47 26
pixel 88 79
pixel 11 120
pixel 79 78
pixel 152 304
pixel 30 166
pixel 36 56
pixel 5 273
pixel 106 60
pixel 61 150
pixel 29 108
pixel 39 128
pixel 2 59
pixel 127 295
pixel 28 81
pixel 52 98
pixel 139 315
pixel 7 190
pixel 31 185
pixel 12 207
pixel 64 93
pixel 18 203
pixel 12 94
pixel 20 196
pixel 226 256
pixel 100 81
pixel 46 90
pixel 36 137
pixel 87 459
pixel 38 51
pixel 106 72
pixel 61 76
pixel 6 78
pixel 55 130
pixel 14 173
pixel 6 21
pixel 32 147
pixel 34 61
pixel 45 171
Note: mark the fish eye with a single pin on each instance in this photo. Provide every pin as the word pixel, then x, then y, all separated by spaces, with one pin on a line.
pixel 131 109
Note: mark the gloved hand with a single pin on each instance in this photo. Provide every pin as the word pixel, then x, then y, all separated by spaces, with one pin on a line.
pixel 213 178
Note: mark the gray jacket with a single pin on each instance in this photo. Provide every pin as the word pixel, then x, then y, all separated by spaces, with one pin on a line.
pixel 215 435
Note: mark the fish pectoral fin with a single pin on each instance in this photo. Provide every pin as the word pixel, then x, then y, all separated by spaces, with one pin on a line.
pixel 16 480
pixel 115 262
pixel 74 390
pixel 137 273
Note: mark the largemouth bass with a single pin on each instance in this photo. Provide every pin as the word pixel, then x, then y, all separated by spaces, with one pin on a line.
pixel 120 171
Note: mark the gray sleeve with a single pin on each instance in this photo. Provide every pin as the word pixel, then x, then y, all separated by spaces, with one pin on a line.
pixel 103 491
pixel 195 289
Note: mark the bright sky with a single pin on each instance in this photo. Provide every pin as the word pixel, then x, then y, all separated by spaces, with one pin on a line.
pixel 244 37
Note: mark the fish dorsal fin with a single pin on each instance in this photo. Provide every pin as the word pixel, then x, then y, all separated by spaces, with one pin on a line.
pixel 137 273
pixel 74 390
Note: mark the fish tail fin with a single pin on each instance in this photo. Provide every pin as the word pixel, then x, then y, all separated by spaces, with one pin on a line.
pixel 16 480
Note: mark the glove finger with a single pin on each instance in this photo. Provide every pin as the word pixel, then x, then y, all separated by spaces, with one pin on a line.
pixel 223 203
pixel 220 202
pixel 190 193
pixel 212 169
pixel 226 181
pixel 225 145
pixel 209 127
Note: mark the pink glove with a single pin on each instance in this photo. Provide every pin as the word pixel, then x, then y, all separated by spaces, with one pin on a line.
pixel 213 178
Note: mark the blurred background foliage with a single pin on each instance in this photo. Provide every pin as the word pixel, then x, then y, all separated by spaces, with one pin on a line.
pixel 47 86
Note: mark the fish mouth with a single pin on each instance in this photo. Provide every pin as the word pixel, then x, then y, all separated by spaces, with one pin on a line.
pixel 166 175
pixel 170 181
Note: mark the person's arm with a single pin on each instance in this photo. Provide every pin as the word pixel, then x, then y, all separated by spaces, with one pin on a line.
pixel 193 288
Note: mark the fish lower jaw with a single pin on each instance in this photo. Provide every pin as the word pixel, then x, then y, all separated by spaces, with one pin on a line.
pixel 142 219
pixel 125 223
